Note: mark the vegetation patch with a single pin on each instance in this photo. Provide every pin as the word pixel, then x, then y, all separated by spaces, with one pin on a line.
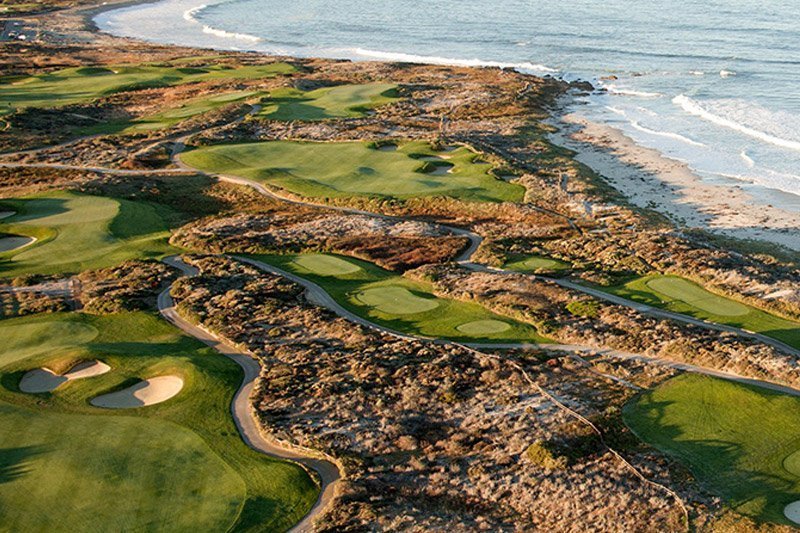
pixel 347 169
pixel 180 463
pixel 682 296
pixel 736 439
pixel 535 263
pixel 342 101
pixel 407 305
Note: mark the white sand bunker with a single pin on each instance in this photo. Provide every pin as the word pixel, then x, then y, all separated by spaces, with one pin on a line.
pixel 14 242
pixel 792 512
pixel 45 380
pixel 148 392
pixel 387 147
pixel 6 214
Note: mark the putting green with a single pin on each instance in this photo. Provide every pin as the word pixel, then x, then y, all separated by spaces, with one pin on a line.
pixel 686 291
pixel 395 300
pixel 328 102
pixel 178 465
pixel 76 232
pixel 347 169
pixel 739 441
pixel 326 265
pixel 483 327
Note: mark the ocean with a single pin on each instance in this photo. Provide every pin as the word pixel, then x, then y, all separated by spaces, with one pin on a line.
pixel 713 83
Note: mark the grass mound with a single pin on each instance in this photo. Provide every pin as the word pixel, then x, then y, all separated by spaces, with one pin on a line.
pixel 326 265
pixel 343 101
pixel 180 464
pixel 737 440
pixel 682 296
pixel 346 169
pixel 84 84
pixel 76 232
pixel 408 306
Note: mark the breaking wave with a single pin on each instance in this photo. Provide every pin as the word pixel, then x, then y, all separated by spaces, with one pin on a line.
pixel 437 60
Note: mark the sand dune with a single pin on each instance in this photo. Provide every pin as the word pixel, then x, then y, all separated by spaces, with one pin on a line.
pixel 147 392
pixel 45 380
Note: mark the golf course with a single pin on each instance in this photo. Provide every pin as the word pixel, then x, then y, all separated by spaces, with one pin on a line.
pixel 535 264
pixel 69 466
pixel 683 296
pixel 740 442
pixel 402 304
pixel 75 232
pixel 346 169
pixel 85 84
pixel 343 101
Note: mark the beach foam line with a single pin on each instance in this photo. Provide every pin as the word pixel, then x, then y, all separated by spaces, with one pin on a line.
pixel 436 60
pixel 613 89
pixel 190 15
pixel 616 110
pixel 694 108
pixel 747 159
pixel 676 136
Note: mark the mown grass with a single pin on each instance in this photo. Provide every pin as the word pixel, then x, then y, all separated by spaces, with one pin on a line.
pixel 406 305
pixel 535 264
pixel 180 465
pixel 343 101
pixel 84 84
pixel 76 232
pixel 683 296
pixel 347 169
pixel 733 437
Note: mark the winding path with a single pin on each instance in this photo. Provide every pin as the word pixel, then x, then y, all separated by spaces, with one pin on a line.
pixel 241 409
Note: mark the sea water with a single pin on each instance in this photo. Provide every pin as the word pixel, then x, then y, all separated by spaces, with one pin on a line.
pixel 714 83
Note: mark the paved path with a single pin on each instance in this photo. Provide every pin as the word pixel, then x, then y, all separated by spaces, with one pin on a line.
pixel 241 409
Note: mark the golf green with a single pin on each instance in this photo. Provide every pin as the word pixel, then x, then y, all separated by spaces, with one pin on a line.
pixel 407 305
pixel 347 169
pixel 534 263
pixel 326 265
pixel 739 441
pixel 179 465
pixel 76 232
pixel 686 291
pixel 342 101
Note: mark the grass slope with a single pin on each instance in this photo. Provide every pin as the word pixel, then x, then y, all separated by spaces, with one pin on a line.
pixel 179 465
pixel 682 296
pixel 343 101
pixel 76 232
pixel 345 169
pixel 534 263
pixel 406 305
pixel 84 84
pixel 735 439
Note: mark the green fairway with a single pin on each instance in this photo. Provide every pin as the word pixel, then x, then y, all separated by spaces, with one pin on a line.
pixel 325 265
pixel 76 232
pixel 345 169
pixel 534 263
pixel 84 84
pixel 406 305
pixel 682 296
pixel 177 466
pixel 343 101
pixel 737 440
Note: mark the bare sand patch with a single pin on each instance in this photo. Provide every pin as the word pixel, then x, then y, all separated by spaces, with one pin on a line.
pixel 792 512
pixel 14 242
pixel 147 392
pixel 45 380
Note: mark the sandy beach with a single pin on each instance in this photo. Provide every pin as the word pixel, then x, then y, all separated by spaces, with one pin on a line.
pixel 649 179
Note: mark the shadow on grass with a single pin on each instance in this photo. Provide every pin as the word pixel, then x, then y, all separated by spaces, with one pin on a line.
pixel 15 462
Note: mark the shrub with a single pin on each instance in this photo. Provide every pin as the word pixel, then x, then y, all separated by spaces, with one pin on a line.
pixel 584 308
pixel 539 453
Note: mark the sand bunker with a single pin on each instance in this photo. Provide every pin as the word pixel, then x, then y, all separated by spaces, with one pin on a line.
pixel 6 214
pixel 387 147
pixel 792 512
pixel 14 242
pixel 45 380
pixel 148 392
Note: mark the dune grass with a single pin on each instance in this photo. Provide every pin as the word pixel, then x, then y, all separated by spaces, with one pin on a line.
pixel 534 263
pixel 76 232
pixel 683 296
pixel 84 84
pixel 405 305
pixel 346 169
pixel 737 440
pixel 342 101
pixel 179 465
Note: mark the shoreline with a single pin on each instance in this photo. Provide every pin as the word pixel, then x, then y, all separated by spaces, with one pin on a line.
pixel 651 180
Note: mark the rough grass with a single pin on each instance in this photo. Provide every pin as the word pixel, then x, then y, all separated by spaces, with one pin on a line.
pixel 84 84
pixel 734 438
pixel 77 232
pixel 406 305
pixel 179 465
pixel 343 101
pixel 705 305
pixel 534 263
pixel 346 169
